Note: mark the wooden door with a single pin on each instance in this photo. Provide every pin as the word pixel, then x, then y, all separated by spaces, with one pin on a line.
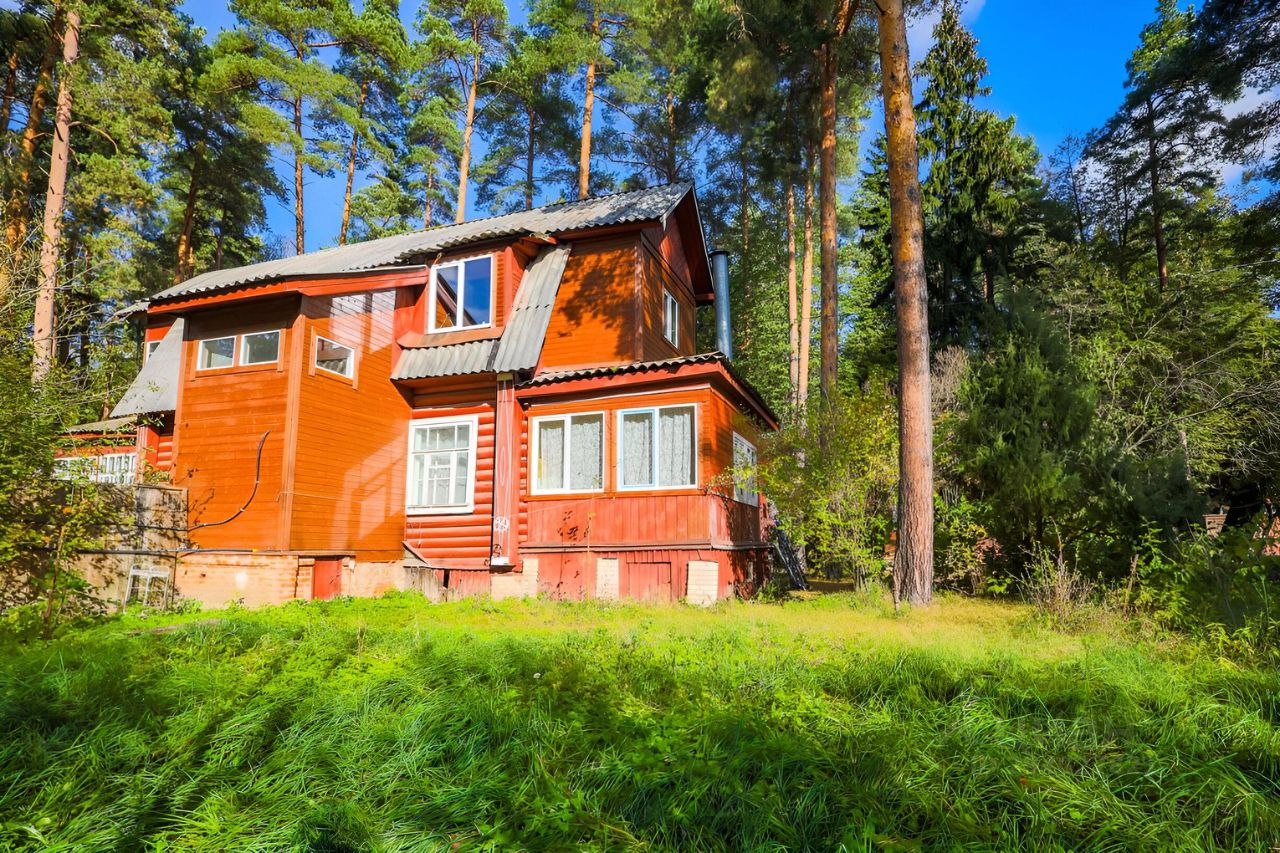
pixel 649 582
pixel 326 578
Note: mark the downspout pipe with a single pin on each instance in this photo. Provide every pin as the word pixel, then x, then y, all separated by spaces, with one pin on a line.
pixel 720 284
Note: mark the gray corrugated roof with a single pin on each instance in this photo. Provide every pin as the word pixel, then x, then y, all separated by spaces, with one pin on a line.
pixel 109 425
pixel 521 341
pixel 637 206
pixel 632 367
pixel 155 389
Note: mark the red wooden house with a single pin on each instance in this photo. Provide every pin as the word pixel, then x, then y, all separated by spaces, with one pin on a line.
pixel 510 405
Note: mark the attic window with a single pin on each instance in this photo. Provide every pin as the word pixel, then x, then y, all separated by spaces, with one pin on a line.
pixel 670 318
pixel 462 294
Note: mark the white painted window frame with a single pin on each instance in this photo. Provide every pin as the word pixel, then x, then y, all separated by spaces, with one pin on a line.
pixel 454 509
pixel 146 576
pixel 315 357
pixel 235 350
pixel 462 286
pixel 243 349
pixel 620 450
pixel 535 449
pixel 741 486
pixel 148 350
pixel 670 318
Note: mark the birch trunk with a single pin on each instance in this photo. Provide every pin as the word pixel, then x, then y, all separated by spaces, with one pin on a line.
pixel 43 336
pixel 913 563
pixel 1157 209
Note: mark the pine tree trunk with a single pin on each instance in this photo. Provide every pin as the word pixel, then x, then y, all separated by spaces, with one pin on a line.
pixel 669 160
pixel 806 288
pixel 16 215
pixel 429 207
pixel 351 166
pixel 584 151
pixel 529 157
pixel 464 166
pixel 185 249
pixel 1157 208
pixel 10 89
pixel 829 334
pixel 793 308
pixel 299 224
pixel 43 335
pixel 913 562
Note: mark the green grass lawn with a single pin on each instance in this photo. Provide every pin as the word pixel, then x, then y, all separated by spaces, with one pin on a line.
pixel 398 725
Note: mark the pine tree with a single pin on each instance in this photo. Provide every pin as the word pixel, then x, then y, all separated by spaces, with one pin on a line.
pixel 275 53
pixel 1160 138
pixel 528 125
pixel 466 37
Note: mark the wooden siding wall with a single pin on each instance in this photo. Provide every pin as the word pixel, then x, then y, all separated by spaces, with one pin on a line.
pixel 594 321
pixel 658 277
pixel 222 415
pixel 349 463
pixel 459 539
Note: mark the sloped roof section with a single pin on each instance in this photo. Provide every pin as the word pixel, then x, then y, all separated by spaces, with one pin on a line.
pixel 155 389
pixel 621 208
pixel 520 345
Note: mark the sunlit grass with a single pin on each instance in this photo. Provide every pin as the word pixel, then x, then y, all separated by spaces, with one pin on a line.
pixel 398 725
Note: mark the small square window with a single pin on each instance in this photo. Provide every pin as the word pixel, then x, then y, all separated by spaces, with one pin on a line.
pixel 334 357
pixel 260 348
pixel 149 349
pixel 670 318
pixel 148 587
pixel 217 352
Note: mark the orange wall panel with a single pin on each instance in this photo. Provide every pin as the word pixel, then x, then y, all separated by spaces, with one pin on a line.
pixel 594 321
pixel 350 445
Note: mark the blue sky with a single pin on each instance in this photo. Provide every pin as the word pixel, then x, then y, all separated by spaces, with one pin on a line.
pixel 1057 65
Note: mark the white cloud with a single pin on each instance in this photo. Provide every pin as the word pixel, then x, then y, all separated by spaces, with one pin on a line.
pixel 920 28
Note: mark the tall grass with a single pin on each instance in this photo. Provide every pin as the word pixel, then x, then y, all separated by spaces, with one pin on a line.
pixel 398 725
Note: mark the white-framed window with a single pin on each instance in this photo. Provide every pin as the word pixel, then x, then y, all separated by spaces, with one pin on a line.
pixel 335 357
pixel 461 294
pixel 670 318
pixel 245 350
pixel 117 468
pixel 260 348
pixel 148 587
pixel 745 489
pixel 442 465
pixel 568 453
pixel 216 353
pixel 658 448
pixel 149 349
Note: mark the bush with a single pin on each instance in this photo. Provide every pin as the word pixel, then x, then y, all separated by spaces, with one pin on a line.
pixel 1058 590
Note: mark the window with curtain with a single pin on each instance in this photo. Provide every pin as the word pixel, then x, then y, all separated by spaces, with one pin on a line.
pixel 745 489
pixel 462 294
pixel 568 453
pixel 442 465
pixel 657 448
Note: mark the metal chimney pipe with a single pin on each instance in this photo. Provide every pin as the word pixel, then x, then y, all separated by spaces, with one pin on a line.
pixel 720 284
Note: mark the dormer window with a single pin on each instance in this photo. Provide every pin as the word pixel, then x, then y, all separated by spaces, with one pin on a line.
pixel 462 295
pixel 670 318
